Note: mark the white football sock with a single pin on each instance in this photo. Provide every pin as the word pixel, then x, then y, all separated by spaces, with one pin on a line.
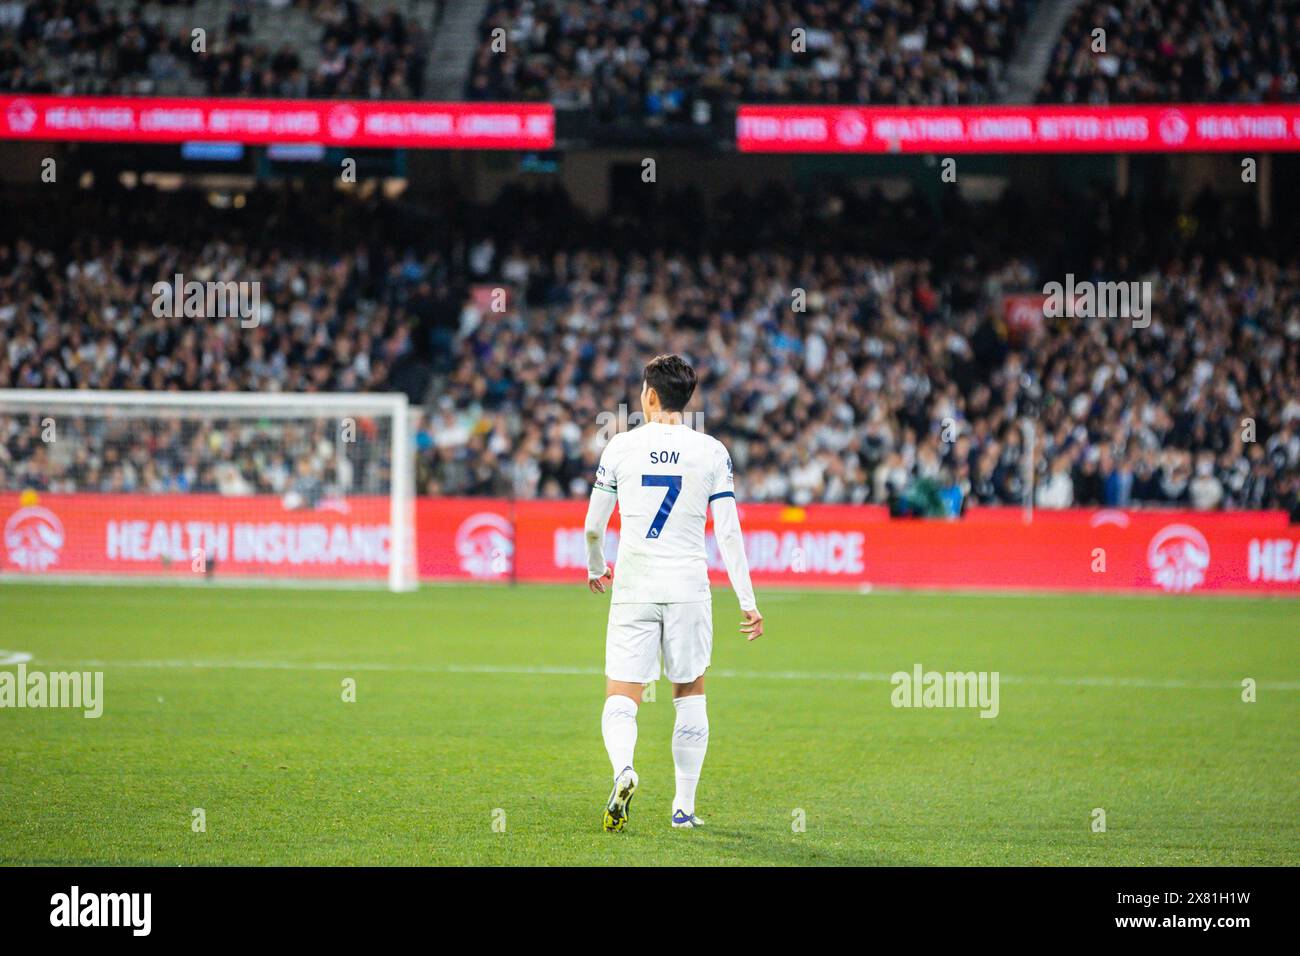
pixel 618 724
pixel 690 743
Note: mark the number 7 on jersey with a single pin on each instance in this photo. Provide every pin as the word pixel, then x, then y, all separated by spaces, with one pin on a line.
pixel 674 485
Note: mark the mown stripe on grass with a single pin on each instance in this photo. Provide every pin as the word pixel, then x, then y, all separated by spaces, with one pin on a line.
pixel 1142 683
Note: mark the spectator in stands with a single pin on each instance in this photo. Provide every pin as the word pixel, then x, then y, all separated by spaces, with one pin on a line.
pixel 1057 489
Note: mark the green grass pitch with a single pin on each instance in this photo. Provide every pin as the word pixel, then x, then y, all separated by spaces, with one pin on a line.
pixel 478 705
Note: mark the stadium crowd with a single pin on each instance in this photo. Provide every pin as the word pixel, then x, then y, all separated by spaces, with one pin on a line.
pixel 657 61
pixel 831 376
pixel 302 460
pixel 886 391
pixel 79 46
pixel 1143 51
pixel 674 59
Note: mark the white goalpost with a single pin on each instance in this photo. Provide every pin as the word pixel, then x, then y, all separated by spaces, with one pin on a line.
pixel 203 486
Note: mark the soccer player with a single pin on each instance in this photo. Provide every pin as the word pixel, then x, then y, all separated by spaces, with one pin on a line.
pixel 665 477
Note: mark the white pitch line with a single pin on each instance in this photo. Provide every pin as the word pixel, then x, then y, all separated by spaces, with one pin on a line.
pixel 14 657
pixel 1144 683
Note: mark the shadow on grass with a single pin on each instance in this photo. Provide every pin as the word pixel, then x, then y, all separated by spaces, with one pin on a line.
pixel 768 848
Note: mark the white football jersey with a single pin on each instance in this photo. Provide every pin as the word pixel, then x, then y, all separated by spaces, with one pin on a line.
pixel 664 476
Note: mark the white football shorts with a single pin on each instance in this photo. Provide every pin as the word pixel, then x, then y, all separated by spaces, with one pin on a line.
pixel 639 633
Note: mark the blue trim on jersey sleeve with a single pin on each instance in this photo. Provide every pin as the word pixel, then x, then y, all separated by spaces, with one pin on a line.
pixel 722 494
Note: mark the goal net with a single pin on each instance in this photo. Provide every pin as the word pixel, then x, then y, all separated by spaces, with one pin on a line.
pixel 207 487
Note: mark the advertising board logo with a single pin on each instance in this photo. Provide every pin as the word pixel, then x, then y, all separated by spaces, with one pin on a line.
pixel 343 122
pixel 850 128
pixel 33 538
pixel 485 545
pixel 21 116
pixel 1178 556
pixel 1173 127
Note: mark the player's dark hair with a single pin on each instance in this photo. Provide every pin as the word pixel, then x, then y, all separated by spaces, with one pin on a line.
pixel 672 379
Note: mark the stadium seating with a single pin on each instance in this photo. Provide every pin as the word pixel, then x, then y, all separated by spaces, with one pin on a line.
pixel 651 64
pixel 679 59
pixel 304 49
pixel 1170 51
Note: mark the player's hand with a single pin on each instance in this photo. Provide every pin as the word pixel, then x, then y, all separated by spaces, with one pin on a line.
pixel 598 585
pixel 752 625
